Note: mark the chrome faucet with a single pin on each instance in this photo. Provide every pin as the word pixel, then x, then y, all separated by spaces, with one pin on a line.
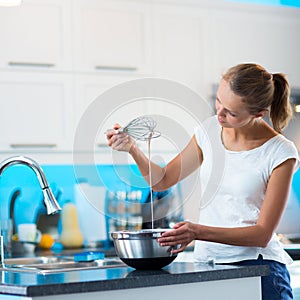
pixel 50 202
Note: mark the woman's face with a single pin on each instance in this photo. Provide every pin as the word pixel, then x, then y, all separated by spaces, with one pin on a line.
pixel 231 110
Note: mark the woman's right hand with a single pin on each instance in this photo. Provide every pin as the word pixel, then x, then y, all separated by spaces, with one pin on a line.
pixel 119 141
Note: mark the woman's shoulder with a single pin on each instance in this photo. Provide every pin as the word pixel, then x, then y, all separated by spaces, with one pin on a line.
pixel 282 149
pixel 283 142
pixel 275 140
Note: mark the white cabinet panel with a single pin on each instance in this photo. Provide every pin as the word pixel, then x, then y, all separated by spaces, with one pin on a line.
pixel 111 35
pixel 268 39
pixel 36 35
pixel 180 36
pixel 175 123
pixel 90 46
pixel 90 89
pixel 180 48
pixel 35 111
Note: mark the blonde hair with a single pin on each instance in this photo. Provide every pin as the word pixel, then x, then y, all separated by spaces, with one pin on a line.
pixel 261 90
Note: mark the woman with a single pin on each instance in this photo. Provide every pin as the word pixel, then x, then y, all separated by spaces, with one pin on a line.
pixel 238 225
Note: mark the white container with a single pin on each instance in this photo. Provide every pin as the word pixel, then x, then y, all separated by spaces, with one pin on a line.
pixel 90 203
pixel 28 232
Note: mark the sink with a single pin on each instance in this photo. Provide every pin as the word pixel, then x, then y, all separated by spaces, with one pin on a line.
pixel 15 262
pixel 53 264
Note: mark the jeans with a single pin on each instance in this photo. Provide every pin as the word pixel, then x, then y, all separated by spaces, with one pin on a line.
pixel 275 286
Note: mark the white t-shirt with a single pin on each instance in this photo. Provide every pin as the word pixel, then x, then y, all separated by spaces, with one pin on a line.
pixel 234 185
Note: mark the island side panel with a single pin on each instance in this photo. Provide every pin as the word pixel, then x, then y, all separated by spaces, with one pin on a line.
pixel 234 289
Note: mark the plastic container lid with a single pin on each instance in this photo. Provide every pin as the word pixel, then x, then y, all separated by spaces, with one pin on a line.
pixel 88 256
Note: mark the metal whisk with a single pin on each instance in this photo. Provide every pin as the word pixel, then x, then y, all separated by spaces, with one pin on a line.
pixel 141 128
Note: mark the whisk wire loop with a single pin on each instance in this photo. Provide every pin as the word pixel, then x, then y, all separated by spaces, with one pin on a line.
pixel 141 128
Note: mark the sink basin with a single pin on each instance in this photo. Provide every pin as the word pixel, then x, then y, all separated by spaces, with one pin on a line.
pixel 16 262
pixel 44 264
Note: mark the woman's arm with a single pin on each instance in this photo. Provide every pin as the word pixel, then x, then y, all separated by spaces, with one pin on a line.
pixel 257 235
pixel 180 167
pixel 186 162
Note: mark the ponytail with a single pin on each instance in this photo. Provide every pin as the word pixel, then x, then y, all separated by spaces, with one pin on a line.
pixel 261 90
pixel 281 111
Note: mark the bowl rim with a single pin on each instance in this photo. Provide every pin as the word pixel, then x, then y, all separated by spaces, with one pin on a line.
pixel 146 233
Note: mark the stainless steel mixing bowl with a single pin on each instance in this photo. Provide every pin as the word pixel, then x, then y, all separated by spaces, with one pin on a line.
pixel 140 249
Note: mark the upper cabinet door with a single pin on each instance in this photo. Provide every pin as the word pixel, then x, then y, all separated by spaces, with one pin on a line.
pixel 180 41
pixel 90 93
pixel 111 35
pixel 180 47
pixel 36 35
pixel 267 38
pixel 35 111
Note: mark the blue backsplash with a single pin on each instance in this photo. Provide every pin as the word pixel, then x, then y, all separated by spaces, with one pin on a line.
pixel 296 183
pixel 62 179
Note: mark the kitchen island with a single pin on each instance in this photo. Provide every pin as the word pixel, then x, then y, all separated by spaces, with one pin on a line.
pixel 175 281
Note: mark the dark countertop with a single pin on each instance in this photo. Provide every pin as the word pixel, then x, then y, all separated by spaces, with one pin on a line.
pixel 293 250
pixel 32 284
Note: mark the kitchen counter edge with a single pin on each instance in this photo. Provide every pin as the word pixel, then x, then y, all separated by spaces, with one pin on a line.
pixel 176 273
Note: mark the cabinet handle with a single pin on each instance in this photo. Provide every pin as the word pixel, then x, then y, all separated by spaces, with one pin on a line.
pixel 30 64
pixel 115 68
pixel 102 145
pixel 33 145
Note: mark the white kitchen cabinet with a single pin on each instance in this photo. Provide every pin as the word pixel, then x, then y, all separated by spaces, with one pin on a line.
pixel 36 35
pixel 111 35
pixel 36 113
pixel 71 51
pixel 92 98
pixel 102 101
pixel 180 47
pixel 269 37
pixel 180 44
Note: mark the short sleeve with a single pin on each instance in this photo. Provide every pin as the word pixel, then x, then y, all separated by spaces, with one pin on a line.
pixel 286 150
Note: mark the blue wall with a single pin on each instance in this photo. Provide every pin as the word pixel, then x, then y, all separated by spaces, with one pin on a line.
pixel 296 183
pixel 62 178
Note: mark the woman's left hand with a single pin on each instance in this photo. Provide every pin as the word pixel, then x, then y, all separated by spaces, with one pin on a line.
pixel 183 234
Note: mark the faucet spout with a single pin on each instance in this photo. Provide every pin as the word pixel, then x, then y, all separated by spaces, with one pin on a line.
pixel 22 160
pixel 49 199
